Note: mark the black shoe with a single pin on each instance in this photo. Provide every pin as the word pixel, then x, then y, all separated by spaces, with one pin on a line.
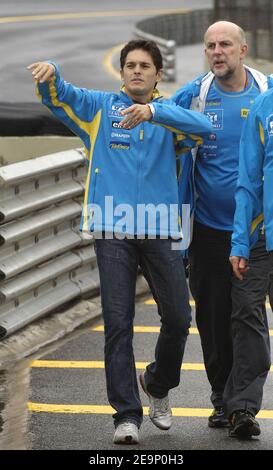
pixel 243 425
pixel 218 418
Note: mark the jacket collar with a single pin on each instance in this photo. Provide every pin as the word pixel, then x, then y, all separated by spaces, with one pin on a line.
pixel 156 95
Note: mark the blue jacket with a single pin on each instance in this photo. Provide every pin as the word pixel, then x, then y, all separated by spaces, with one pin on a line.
pixel 127 169
pixel 193 96
pixel 254 195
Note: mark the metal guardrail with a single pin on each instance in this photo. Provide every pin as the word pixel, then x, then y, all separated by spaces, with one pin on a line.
pixel 44 262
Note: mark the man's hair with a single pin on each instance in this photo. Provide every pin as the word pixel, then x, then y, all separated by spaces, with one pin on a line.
pixel 148 46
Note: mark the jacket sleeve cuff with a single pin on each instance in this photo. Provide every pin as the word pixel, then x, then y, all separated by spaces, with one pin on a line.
pixel 152 108
pixel 241 251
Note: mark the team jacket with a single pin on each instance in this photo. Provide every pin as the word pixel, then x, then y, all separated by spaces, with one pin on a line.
pixel 254 195
pixel 193 96
pixel 127 169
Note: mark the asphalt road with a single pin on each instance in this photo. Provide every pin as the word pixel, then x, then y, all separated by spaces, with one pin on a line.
pixel 61 392
pixel 78 43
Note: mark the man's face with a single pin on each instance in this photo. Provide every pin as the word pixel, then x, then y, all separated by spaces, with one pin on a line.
pixel 139 75
pixel 224 50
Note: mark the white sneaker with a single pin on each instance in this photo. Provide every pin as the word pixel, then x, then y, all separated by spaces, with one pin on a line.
pixel 126 433
pixel 160 411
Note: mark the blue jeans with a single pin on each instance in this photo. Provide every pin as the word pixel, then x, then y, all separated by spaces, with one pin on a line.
pixel 118 262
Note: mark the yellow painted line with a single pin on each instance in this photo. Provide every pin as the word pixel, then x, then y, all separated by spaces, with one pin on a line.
pixel 68 364
pixel 153 302
pixel 99 365
pixel 101 409
pixel 89 14
pixel 144 329
pixel 154 329
pixel 192 303
pixel 108 61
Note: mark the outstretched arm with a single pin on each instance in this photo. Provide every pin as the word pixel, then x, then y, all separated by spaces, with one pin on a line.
pixel 42 71
pixel 78 108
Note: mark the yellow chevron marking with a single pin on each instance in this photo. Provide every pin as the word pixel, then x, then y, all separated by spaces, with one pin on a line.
pixel 99 365
pixel 90 14
pixel 101 409
pixel 144 329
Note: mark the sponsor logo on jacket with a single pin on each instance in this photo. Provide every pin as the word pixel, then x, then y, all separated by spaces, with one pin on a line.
pixel 244 113
pixel 116 110
pixel 120 135
pixel 269 125
pixel 119 145
pixel 213 103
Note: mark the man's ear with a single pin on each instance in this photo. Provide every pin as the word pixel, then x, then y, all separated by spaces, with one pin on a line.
pixel 160 74
pixel 244 50
pixel 121 74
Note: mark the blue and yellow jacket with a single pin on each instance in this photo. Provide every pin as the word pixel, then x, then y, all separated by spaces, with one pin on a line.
pixel 254 195
pixel 127 169
pixel 193 96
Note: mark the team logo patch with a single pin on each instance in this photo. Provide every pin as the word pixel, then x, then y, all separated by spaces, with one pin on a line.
pixel 212 137
pixel 244 112
pixel 216 118
pixel 269 125
pixel 119 145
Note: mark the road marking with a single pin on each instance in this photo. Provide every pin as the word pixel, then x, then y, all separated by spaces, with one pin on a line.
pixel 89 14
pixel 144 329
pixel 153 329
pixel 192 303
pixel 193 331
pixel 108 61
pixel 153 302
pixel 101 409
pixel 99 365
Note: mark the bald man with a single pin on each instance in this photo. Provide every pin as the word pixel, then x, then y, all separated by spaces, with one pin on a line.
pixel 225 95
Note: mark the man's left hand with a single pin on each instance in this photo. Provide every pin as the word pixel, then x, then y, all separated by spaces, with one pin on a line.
pixel 239 266
pixel 134 115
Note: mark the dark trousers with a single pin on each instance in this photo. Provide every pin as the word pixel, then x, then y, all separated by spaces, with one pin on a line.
pixel 210 283
pixel 118 262
pixel 251 344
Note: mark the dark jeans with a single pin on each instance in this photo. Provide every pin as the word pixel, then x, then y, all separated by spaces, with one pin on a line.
pixel 118 262
pixel 251 344
pixel 210 283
